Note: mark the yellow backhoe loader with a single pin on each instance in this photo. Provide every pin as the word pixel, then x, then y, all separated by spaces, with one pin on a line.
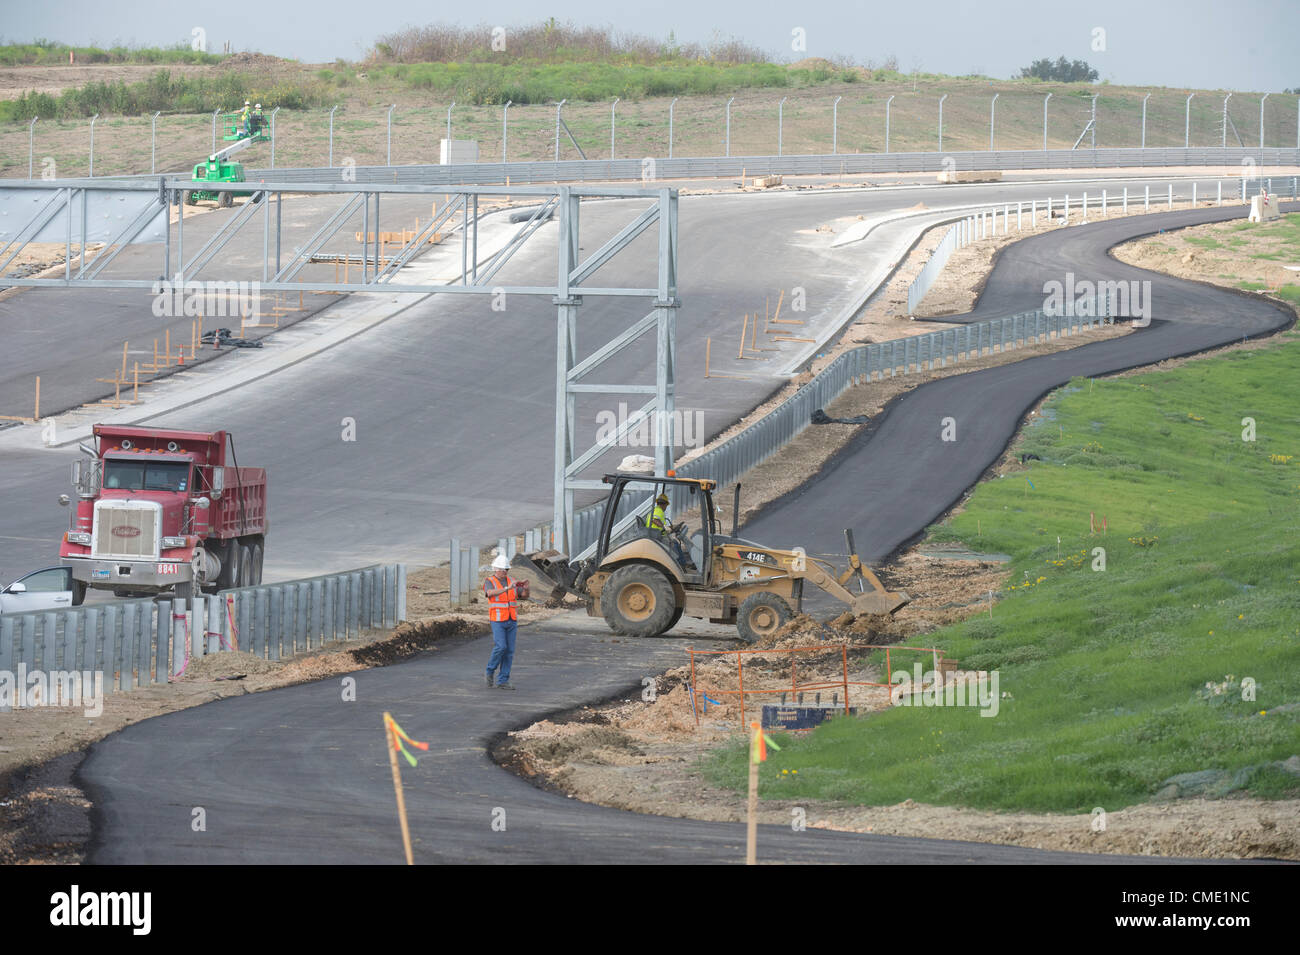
pixel 642 580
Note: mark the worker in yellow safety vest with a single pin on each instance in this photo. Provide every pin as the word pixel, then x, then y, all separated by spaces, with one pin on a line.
pixel 245 116
pixel 658 519
pixel 503 593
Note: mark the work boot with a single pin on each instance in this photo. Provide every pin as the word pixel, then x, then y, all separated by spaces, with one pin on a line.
pixel 504 686
pixel 490 681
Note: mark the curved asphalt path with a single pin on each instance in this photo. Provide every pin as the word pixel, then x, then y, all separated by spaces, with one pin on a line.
pixel 897 476
pixel 297 775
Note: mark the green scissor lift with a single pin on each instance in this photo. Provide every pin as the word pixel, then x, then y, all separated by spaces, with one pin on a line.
pixel 218 168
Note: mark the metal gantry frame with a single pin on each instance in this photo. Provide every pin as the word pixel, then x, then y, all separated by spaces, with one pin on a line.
pixel 152 201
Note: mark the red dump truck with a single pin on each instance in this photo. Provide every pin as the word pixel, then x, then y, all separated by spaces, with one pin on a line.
pixel 160 510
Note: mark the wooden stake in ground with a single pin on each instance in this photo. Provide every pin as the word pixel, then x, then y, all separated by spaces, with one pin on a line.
pixel 758 744
pixel 393 737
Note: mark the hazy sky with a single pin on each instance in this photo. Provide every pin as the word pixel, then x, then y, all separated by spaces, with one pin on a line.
pixel 1186 43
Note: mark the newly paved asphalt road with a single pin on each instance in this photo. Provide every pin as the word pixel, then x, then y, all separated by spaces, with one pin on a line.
pixel 898 475
pixel 299 775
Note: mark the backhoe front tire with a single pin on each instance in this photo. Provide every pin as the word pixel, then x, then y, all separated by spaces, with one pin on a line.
pixel 761 615
pixel 638 601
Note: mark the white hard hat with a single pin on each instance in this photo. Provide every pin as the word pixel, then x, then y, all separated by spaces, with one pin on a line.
pixel 258 106
pixel 500 562
pixel 246 102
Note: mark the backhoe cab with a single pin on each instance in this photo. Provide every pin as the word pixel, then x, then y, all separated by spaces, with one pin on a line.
pixel 643 580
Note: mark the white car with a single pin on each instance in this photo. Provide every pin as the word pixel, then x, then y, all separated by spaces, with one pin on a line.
pixel 50 589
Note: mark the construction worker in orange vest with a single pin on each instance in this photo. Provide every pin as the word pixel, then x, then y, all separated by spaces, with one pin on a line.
pixel 503 593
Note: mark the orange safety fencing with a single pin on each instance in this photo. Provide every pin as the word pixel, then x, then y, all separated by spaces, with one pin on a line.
pixel 795 687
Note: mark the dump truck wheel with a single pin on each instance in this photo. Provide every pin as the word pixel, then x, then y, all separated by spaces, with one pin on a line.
pixel 256 571
pixel 762 614
pixel 638 601
pixel 245 566
pixel 228 579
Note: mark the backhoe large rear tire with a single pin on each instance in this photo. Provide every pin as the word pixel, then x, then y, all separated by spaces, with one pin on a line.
pixel 638 601
pixel 761 615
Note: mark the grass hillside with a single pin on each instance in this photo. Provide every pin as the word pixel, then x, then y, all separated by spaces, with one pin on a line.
pixel 423 71
pixel 1114 680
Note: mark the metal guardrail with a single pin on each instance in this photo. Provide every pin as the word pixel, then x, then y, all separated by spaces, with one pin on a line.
pixel 958 237
pixel 655 169
pixel 730 460
pixel 139 642
pixel 984 223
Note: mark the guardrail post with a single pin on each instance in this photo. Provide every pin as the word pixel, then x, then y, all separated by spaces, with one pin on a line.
pixel 1146 199
pixel 454 572
pixel 1171 195
pixel 274 622
pixel 146 636
pixel 327 609
pixel 216 617
pixel 126 681
pixel 28 640
pixel 246 612
pixel 7 644
pixel 179 645
pixel 316 617
pixel 401 594
pixel 257 603
pixel 162 641
pixel 71 635
pixel 302 638
pixel 198 625
pixel 354 604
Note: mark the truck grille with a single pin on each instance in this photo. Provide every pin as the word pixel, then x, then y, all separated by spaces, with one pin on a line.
pixel 126 529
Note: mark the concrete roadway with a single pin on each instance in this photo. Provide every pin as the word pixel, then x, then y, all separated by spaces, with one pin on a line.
pixel 898 476
pixel 450 442
pixel 72 337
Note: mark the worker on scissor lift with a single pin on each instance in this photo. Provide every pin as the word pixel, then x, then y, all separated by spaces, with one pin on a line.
pixel 245 118
pixel 259 121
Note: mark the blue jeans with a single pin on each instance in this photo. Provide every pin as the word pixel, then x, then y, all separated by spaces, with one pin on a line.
pixel 503 648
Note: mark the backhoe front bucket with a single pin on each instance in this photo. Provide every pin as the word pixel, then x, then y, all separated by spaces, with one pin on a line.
pixel 879 603
pixel 546 573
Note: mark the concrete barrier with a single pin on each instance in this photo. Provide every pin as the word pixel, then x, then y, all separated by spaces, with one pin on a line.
pixel 970 175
